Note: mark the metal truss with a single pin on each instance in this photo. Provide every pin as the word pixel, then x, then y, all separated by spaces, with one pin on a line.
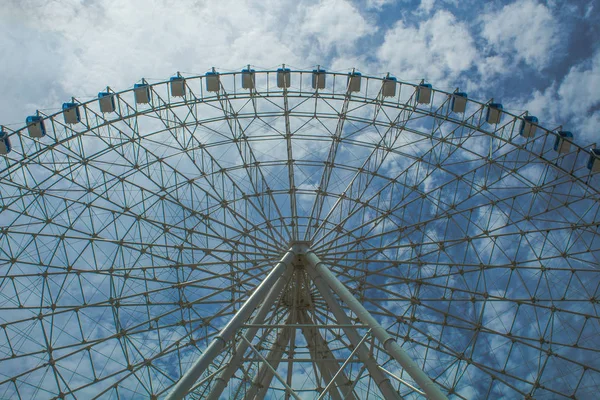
pixel 279 240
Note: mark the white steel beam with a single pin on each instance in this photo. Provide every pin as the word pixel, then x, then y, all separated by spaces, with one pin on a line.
pixel 383 382
pixel 328 365
pixel 261 383
pixel 322 274
pixel 188 380
pixel 234 364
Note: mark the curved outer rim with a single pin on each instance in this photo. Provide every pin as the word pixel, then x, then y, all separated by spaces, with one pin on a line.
pixel 278 92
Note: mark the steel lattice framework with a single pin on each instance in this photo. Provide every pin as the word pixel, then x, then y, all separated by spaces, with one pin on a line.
pixel 130 239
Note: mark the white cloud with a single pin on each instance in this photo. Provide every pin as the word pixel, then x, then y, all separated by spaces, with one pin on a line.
pixel 426 6
pixel 525 29
pixel 440 48
pixel 574 99
pixel 335 23
pixel 378 4
pixel 70 47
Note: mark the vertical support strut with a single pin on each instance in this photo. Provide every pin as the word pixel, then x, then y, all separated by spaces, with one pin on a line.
pixel 382 381
pixel 183 386
pixel 328 365
pixel 235 362
pixel 322 274
pixel 263 379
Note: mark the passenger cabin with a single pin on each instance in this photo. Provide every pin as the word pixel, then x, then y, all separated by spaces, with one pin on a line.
pixel 594 160
pixel 248 76
pixel 107 102
pixel 318 78
pixel 177 84
pixel 424 93
pixel 494 113
pixel 35 126
pixel 354 80
pixel 284 76
pixel 459 102
pixel 71 113
pixel 562 144
pixel 141 92
pixel 212 81
pixel 528 126
pixel 5 146
pixel 388 88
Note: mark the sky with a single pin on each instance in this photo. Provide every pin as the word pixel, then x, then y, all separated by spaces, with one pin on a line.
pixel 533 55
pixel 530 55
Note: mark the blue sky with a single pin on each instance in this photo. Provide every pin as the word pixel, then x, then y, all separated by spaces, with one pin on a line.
pixel 528 54
pixel 532 55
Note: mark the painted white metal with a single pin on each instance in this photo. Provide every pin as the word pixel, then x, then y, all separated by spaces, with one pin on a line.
pixel 178 87
pixel 261 383
pixel 318 346
pixel 323 273
pixel 142 94
pixel 383 382
pixel 273 370
pixel 235 362
pixel 216 346
pixel 459 104
pixel 341 369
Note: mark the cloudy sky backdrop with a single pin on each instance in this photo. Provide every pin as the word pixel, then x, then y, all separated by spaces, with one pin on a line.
pixel 534 55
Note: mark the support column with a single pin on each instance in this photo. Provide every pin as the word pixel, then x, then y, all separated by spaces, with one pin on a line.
pixel 263 379
pixel 382 381
pixel 217 345
pixel 323 274
pixel 328 365
pixel 235 362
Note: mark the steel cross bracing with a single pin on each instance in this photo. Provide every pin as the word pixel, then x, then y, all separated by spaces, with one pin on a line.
pixel 129 240
pixel 289 285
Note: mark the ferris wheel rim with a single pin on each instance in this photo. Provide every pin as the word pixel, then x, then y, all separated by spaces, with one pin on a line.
pixel 268 245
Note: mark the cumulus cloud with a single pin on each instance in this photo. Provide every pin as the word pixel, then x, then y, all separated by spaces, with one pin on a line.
pixel 426 6
pixel 70 47
pixel 378 4
pixel 575 98
pixel 525 29
pixel 439 48
pixel 335 23
pixel 73 48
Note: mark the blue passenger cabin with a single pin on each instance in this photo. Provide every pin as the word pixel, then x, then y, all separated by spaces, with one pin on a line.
pixel 5 146
pixel 494 113
pixel 212 81
pixel 35 126
pixel 424 93
pixel 562 144
pixel 107 102
pixel 248 76
pixel 71 113
pixel 141 92
pixel 528 126
pixel 388 88
pixel 177 84
pixel 594 160
pixel 354 79
pixel 459 102
pixel 284 76
pixel 318 78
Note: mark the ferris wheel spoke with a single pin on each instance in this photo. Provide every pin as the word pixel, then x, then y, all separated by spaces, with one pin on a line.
pixel 239 137
pixel 373 158
pixel 215 166
pixel 129 238
pixel 336 137
pixel 392 209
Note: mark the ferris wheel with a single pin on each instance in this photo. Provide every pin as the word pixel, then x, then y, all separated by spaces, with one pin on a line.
pixel 296 234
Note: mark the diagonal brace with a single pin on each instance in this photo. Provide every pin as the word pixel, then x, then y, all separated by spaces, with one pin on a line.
pixel 183 386
pixel 321 272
